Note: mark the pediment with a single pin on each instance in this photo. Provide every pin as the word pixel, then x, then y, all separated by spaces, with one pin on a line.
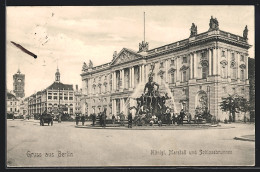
pixel 184 67
pixel 126 55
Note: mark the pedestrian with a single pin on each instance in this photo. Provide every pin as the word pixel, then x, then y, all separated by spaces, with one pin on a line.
pixel 77 119
pixel 101 119
pixel 113 119
pixel 168 116
pixel 130 120
pixel 122 119
pixel 104 119
pixel 188 117
pixel 181 116
pixel 93 119
pixel 83 119
pixel 59 118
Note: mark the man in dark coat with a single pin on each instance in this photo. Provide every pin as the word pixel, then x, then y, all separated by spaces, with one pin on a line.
pixel 77 119
pixel 182 114
pixel 83 119
pixel 130 120
pixel 93 119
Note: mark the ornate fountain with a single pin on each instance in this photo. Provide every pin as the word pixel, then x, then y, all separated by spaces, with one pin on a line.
pixel 151 102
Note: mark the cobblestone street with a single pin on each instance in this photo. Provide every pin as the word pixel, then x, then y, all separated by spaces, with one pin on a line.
pixel 29 144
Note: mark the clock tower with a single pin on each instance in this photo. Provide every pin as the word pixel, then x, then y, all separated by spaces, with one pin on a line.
pixel 18 84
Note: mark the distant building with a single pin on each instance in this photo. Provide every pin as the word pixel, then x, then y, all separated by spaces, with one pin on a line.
pixel 12 104
pixel 55 96
pixel 198 71
pixel 78 95
pixel 18 84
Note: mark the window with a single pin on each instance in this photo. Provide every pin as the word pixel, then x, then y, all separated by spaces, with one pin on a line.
pixel 172 62
pixel 242 58
pixel 234 76
pixel 242 74
pixel 105 88
pixel 184 60
pixel 161 64
pixel 184 76
pixel 11 103
pixel 49 97
pixel 172 77
pixel 203 54
pixel 204 72
pixel 11 109
pixel 234 90
pixel 233 56
pixel 100 78
pixel 99 89
pixel 224 90
pixel 14 103
pixel 223 54
pixel 55 97
pixel 15 109
pixel 65 97
pixel 70 98
pixel 242 91
pixel 105 77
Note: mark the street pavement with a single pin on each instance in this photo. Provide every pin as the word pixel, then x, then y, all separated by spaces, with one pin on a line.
pixel 65 145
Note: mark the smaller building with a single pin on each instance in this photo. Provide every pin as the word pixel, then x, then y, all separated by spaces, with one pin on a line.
pixel 12 104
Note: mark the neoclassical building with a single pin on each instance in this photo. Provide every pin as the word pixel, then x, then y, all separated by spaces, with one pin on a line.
pixel 199 71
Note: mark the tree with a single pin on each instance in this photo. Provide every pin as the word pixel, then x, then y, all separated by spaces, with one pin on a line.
pixel 235 104
pixel 251 77
pixel 230 104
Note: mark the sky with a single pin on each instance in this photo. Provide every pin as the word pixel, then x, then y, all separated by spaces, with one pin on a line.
pixel 65 37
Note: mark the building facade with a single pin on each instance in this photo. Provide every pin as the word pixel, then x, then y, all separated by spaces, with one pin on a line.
pixel 50 99
pixel 18 84
pixel 198 71
pixel 12 104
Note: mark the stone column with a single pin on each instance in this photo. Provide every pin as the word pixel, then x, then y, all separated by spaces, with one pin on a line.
pixel 195 65
pixel 191 66
pixel 133 77
pixel 214 61
pixel 246 69
pixel 142 73
pixel 166 71
pixel 130 77
pixel 238 64
pixel 218 61
pixel 177 70
pixel 123 78
pixel 228 65
pixel 210 62
pixel 114 81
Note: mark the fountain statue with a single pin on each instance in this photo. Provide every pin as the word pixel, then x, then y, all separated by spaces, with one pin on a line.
pixel 151 103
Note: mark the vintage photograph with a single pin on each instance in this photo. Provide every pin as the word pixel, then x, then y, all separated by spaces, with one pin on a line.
pixel 125 86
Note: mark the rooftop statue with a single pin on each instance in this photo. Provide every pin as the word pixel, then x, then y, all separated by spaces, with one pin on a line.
pixel 84 67
pixel 90 64
pixel 143 46
pixel 213 24
pixel 193 30
pixel 245 32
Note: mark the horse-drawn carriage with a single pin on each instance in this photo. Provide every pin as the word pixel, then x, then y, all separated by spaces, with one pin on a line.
pixel 46 118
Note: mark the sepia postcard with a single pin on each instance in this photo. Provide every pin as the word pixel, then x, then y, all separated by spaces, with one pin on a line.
pixel 130 86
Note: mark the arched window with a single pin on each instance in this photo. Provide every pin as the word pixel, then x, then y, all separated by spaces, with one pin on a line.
pixel 234 74
pixel 204 72
pixel 172 77
pixel 184 76
pixel 242 74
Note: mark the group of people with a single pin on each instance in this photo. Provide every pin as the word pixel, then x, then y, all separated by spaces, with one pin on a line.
pixel 81 118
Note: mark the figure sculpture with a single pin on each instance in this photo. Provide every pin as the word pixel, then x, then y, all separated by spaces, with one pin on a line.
pixel 84 67
pixel 213 24
pixel 150 86
pixel 245 32
pixel 193 30
pixel 90 64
